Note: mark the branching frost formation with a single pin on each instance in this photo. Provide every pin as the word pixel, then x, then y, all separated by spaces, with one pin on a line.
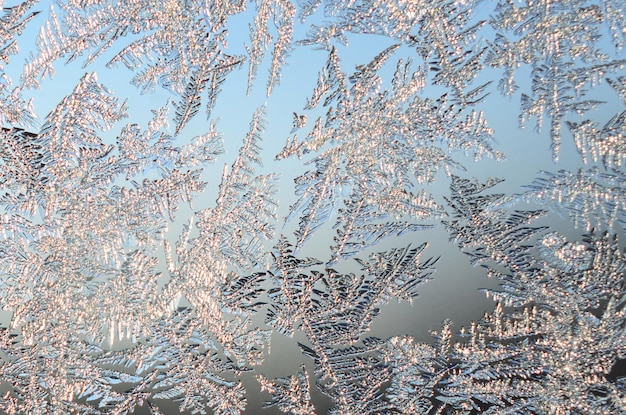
pixel 118 302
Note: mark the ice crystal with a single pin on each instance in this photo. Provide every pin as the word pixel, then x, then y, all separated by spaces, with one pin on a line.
pixel 291 394
pixel 178 46
pixel 246 205
pixel 591 198
pixel 402 150
pixel 77 288
pixel 284 14
pixel 443 33
pixel 119 293
pixel 561 42
pixel 604 144
pixel 564 334
pixel 352 377
pixel 488 239
pixel 13 108
pixel 334 308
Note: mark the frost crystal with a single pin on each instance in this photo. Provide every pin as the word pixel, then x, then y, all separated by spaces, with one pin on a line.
pixel 291 394
pixel 13 108
pixel 561 42
pixel 376 183
pixel 134 276
pixel 79 289
pixel 592 199
pixel 565 334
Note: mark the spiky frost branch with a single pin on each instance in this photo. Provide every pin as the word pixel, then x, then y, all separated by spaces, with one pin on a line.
pixel 591 198
pixel 83 229
pixel 395 140
pixel 556 351
pixel 443 33
pixel 560 42
pixel 13 108
pixel 334 310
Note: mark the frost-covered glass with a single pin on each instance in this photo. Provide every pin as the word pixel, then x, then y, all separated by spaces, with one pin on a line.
pixel 155 262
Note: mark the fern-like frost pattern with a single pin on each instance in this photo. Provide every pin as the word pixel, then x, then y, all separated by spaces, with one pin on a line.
pixel 134 278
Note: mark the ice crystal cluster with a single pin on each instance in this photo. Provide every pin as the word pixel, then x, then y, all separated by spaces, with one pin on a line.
pixel 121 296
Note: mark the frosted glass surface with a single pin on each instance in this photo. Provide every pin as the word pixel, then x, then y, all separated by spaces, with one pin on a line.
pixel 313 207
